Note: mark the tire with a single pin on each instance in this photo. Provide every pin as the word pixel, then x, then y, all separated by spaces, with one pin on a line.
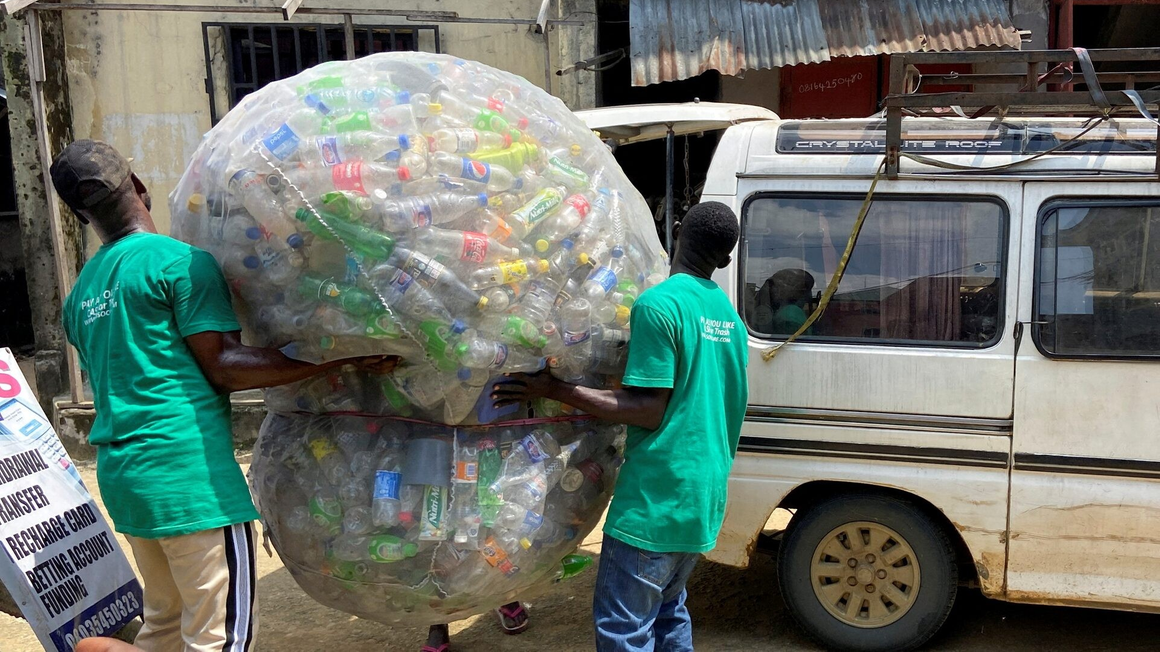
pixel 921 576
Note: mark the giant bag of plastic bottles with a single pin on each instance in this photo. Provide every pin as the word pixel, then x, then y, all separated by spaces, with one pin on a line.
pixel 459 217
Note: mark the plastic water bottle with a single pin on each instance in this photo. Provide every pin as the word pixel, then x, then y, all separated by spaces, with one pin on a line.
pixel 483 119
pixel 235 227
pixel 467 246
pixel 354 176
pixel 477 353
pixel 411 299
pixel 385 504
pixel 425 210
pixel 461 397
pixel 362 145
pixel 493 224
pixel 467 140
pixel 250 188
pixel 500 297
pixel 238 263
pixel 353 300
pixel 496 179
pixel 357 520
pixel 606 277
pixel 504 273
pixel 465 517
pixel 437 278
pixel 421 387
pixel 566 174
pixel 564 221
pixel 520 521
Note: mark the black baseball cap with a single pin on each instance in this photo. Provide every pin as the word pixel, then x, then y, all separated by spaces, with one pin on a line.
pixel 88 160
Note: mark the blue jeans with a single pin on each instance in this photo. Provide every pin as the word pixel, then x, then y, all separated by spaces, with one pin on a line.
pixel 639 604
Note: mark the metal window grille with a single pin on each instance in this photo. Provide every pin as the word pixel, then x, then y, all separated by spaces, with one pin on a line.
pixel 257 54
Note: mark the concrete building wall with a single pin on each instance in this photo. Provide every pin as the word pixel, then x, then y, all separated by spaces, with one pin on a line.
pixel 137 79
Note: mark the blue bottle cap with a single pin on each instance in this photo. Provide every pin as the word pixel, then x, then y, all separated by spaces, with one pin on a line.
pixel 393 156
pixel 567 243
pixel 404 142
pixel 254 233
pixel 458 327
pixel 463 374
pixel 519 184
pixel 617 252
pixel 434 68
pixel 403 97
pixel 482 199
pixel 460 62
pixel 252 262
pixel 295 241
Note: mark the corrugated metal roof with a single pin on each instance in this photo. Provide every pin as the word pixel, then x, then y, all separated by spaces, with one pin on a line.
pixel 677 39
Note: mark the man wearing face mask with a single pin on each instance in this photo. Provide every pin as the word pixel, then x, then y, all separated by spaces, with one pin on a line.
pixel 152 320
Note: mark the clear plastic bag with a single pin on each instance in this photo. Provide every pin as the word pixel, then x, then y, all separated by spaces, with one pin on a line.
pixel 459 217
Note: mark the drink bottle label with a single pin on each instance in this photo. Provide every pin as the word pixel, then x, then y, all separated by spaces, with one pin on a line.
pixel 328 150
pixel 539 207
pixel 426 271
pixel 348 176
pixel 565 173
pixel 497 557
pixel 536 487
pixel 421 215
pixel 321 448
pixel 501 355
pixel 572 338
pixel 357 121
pixel 533 450
pixel 501 231
pixel 580 204
pixel 533 520
pixel 385 550
pixel 466 140
pixel 434 513
pixel 402 282
pixel 387 484
pixel 474 247
pixel 282 143
pixel 475 171
pixel 466 471
pixel 604 277
pixel 514 271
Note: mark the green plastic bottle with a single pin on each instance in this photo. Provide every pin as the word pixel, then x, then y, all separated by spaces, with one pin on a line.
pixel 517 330
pixel 349 298
pixel 385 548
pixel 490 465
pixel 396 399
pixel 571 566
pixel 436 339
pixel 361 239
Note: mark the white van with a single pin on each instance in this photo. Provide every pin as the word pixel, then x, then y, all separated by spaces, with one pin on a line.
pixel 978 404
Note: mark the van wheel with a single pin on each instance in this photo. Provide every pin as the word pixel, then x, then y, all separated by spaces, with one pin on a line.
pixel 867 573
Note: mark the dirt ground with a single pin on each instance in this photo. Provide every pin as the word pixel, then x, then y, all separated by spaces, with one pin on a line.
pixel 733 609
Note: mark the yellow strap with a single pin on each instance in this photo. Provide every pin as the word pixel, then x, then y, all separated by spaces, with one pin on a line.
pixel 771 351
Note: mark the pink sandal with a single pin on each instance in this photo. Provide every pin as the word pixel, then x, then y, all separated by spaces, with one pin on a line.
pixel 442 648
pixel 506 613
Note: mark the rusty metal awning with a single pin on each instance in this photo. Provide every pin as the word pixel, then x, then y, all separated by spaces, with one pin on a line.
pixel 678 39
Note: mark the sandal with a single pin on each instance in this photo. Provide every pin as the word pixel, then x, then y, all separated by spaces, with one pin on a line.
pixel 514 614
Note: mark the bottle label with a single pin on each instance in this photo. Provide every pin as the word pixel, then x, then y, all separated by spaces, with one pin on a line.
pixel 474 247
pixel 425 270
pixel 536 487
pixel 421 215
pixel 539 207
pixel 565 173
pixel 572 338
pixel 328 151
pixel 514 271
pixel 386 551
pixel 533 450
pixel 357 121
pixel 501 355
pixel 591 470
pixel 434 509
pixel 533 520
pixel 475 171
pixel 321 448
pixel 605 278
pixel 497 557
pixel 282 143
pixel 466 471
pixel 348 176
pixel 501 231
pixel 387 484
pixel 466 140
pixel 580 204
pixel 402 282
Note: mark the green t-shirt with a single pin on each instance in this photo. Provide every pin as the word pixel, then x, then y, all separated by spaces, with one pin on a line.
pixel 165 458
pixel 670 496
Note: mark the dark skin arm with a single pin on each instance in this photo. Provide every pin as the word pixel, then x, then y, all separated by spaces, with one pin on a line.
pixel 231 366
pixel 635 406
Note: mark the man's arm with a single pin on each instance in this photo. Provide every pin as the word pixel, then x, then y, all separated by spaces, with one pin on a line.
pixel 635 406
pixel 231 366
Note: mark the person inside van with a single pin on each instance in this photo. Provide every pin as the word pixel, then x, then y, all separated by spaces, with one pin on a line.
pixel 683 398
pixel 782 302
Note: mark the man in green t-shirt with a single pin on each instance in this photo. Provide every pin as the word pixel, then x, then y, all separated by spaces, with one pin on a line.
pixel 152 321
pixel 684 399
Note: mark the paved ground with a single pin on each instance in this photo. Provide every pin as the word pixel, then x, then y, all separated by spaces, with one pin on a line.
pixel 732 609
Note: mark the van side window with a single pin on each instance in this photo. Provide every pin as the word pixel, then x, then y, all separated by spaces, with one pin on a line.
pixel 1097 290
pixel 924 271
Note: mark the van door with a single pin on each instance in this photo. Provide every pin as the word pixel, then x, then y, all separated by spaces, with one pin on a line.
pixel 1085 487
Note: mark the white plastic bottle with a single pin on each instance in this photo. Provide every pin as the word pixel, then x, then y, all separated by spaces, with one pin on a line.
pixel 468 140
pixel 495 178
pixel 385 503
pixel 468 246
pixel 419 211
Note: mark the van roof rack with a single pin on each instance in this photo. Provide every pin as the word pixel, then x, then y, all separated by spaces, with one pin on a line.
pixel 1044 85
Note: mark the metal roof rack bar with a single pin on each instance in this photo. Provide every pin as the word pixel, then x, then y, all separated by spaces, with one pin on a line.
pixel 1044 88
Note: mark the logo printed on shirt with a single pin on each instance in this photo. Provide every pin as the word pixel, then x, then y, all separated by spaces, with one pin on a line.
pixel 100 306
pixel 717 330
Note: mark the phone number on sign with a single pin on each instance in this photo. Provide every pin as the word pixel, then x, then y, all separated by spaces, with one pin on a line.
pixel 830 84
pixel 104 620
